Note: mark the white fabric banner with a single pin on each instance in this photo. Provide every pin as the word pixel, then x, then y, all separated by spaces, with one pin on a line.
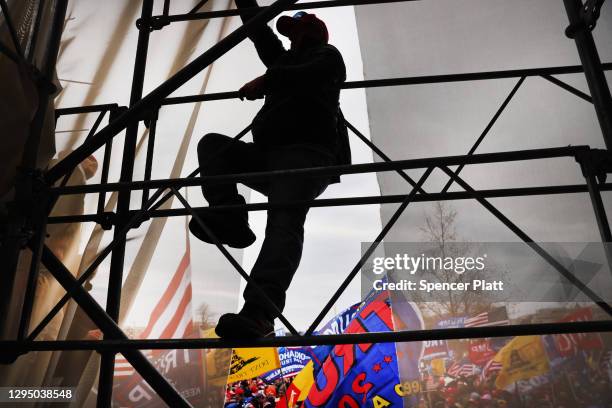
pixel 448 37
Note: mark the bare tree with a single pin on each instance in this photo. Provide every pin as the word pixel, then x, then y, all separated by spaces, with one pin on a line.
pixel 204 317
pixel 440 229
pixel 440 225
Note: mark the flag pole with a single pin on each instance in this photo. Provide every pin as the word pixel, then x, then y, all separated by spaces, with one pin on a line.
pixel 518 394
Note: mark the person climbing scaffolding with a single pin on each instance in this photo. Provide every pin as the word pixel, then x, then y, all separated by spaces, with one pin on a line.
pixel 299 126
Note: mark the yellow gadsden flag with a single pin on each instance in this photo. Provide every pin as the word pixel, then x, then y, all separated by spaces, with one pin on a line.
pixel 249 363
pixel 522 358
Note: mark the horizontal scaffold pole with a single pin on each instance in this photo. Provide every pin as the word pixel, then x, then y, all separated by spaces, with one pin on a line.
pixel 85 109
pixel 515 155
pixel 418 80
pixel 363 200
pixel 546 72
pixel 288 341
pixel 205 15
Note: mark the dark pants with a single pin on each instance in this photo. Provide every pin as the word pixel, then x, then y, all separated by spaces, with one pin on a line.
pixel 281 250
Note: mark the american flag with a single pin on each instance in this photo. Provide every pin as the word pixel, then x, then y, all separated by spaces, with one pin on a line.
pixel 123 368
pixel 490 368
pixel 172 316
pixel 495 317
pixel 462 369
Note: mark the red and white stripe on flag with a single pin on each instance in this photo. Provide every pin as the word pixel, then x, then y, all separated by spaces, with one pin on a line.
pixel 172 316
pixel 461 370
pixel 490 368
pixel 123 368
pixel 495 317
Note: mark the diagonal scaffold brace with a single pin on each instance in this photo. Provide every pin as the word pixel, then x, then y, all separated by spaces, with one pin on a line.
pixel 99 316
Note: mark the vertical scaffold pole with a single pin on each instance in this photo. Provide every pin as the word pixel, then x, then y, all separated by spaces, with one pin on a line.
pixel 105 382
pixel 580 31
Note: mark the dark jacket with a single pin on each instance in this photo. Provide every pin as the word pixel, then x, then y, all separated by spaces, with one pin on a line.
pixel 302 94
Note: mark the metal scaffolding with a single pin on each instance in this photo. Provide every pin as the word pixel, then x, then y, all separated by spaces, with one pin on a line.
pixel 36 192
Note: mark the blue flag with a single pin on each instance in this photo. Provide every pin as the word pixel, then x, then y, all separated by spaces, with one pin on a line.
pixel 361 375
pixel 292 361
pixel 337 325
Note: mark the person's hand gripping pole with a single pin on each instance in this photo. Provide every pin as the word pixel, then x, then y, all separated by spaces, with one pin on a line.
pixel 255 89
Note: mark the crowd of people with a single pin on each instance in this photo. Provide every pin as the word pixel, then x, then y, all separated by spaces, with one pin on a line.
pixel 254 393
pixel 469 393
pixel 567 391
pixel 587 388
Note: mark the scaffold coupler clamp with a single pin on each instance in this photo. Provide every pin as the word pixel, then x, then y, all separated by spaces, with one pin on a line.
pixel 151 116
pixel 107 220
pixel 595 162
pixel 139 217
pixel 152 24
pixel 589 15
pixel 116 112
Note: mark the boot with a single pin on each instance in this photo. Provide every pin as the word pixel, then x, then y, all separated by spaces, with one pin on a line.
pixel 230 227
pixel 246 324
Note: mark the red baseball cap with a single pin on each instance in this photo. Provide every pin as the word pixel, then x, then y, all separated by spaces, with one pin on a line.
pixel 307 22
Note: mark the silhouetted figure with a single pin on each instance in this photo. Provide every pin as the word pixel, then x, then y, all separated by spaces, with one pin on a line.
pixel 299 126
